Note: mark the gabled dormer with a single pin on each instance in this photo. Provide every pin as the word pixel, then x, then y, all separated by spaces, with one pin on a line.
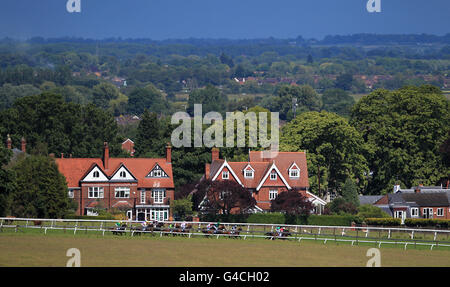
pixel 95 174
pixel 274 173
pixel 157 172
pixel 123 174
pixel 249 172
pixel 294 171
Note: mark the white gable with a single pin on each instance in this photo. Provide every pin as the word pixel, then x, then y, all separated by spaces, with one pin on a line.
pixel 225 164
pixel 96 175
pixel 157 172
pixel 273 167
pixel 122 174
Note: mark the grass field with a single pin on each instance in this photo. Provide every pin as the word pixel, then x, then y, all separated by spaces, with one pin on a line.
pixel 37 249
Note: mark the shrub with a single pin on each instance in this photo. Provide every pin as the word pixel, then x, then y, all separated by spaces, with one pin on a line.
pixel 333 220
pixel 383 221
pixel 370 211
pixel 423 222
pixel 268 218
pixel 102 217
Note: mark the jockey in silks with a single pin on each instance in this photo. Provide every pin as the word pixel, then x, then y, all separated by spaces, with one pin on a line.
pixel 183 226
pixel 216 227
pixel 144 225
pixel 117 225
pixel 208 227
pixel 279 231
pixel 233 229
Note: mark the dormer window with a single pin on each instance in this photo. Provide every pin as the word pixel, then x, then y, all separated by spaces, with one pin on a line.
pixel 273 175
pixel 249 172
pixel 96 174
pixel 294 171
pixel 225 175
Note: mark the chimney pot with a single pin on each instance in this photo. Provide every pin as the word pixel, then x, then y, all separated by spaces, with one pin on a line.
pixel 214 154
pixel 24 145
pixel 106 155
pixel 168 152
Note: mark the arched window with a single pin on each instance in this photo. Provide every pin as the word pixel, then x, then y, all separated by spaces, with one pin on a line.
pixel 96 174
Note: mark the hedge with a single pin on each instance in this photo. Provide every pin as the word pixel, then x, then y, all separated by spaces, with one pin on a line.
pixel 332 220
pixel 383 221
pixel 423 222
pixel 104 217
pixel 267 218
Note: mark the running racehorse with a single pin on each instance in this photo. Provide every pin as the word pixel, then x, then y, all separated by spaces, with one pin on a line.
pixel 275 235
pixel 119 230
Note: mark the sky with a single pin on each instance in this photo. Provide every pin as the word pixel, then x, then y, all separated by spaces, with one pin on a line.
pixel 233 19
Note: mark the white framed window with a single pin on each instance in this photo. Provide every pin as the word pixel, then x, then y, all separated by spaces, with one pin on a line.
pixel 225 175
pixel 123 174
pixel 142 197
pixel 273 175
pixel 294 173
pixel 71 193
pixel 122 192
pixel 440 212
pixel 414 212
pixel 398 214
pixel 427 213
pixel 157 173
pixel 273 193
pixel 95 192
pixel 158 195
pixel 96 174
pixel 248 173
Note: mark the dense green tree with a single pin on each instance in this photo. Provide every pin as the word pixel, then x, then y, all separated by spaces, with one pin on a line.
pixel 337 101
pixel 344 81
pixel 67 128
pixel 41 190
pixel 103 93
pixel 7 182
pixel 350 192
pixel 303 97
pixel 9 94
pixel 152 136
pixel 149 98
pixel 211 99
pixel 182 208
pixel 334 149
pixel 404 130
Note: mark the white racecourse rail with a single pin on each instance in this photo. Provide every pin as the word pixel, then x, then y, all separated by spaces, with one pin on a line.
pixel 252 230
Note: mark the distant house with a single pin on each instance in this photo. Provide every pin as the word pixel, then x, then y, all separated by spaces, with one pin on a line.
pixel 418 202
pixel 128 146
pixel 266 178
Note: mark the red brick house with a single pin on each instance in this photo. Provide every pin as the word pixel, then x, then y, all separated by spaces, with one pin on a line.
pixel 143 187
pixel 266 178
pixel 128 146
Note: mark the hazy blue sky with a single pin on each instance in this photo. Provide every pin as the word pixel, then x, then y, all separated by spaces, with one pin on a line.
pixel 163 19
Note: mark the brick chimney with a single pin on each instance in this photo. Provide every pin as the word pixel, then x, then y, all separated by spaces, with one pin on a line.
pixel 24 145
pixel 9 142
pixel 214 154
pixel 168 153
pixel 106 155
pixel 207 170
pixel 417 190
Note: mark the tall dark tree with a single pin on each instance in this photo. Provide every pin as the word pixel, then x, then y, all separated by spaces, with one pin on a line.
pixel 7 182
pixel 337 101
pixel 227 196
pixel 291 202
pixel 149 98
pixel 211 99
pixel 151 137
pixel 41 190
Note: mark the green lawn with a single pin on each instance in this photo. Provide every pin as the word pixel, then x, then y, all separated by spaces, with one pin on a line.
pixel 33 248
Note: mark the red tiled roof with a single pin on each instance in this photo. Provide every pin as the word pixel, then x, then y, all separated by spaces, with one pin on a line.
pixel 283 162
pixel 74 169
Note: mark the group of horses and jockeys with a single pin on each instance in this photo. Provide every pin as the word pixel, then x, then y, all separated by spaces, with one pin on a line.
pixel 184 229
